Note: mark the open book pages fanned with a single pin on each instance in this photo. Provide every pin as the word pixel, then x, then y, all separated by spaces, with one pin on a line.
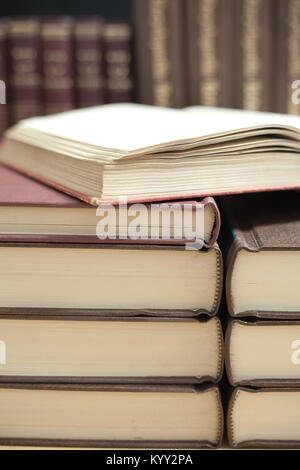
pixel 149 153
pixel 176 416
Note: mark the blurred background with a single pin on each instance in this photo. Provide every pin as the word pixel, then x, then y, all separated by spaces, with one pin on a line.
pixel 60 55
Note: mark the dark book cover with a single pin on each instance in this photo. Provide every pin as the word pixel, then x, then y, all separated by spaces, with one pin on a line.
pixel 25 80
pixel 160 56
pixel 58 64
pixel 89 61
pixel 118 62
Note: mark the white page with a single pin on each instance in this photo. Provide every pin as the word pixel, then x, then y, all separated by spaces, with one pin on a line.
pixel 132 126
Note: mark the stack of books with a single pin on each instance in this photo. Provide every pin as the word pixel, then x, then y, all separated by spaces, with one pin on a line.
pixel 111 277
pixel 263 338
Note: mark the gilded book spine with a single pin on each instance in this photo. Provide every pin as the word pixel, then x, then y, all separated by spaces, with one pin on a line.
pixel 118 62
pixel 288 56
pixel 89 62
pixel 210 58
pixel 255 55
pixel 24 68
pixel 3 76
pixel 159 33
pixel 57 58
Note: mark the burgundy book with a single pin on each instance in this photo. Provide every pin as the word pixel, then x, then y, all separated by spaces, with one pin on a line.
pixel 4 122
pixel 89 61
pixel 24 68
pixel 118 62
pixel 58 64
pixel 160 56
pixel 34 212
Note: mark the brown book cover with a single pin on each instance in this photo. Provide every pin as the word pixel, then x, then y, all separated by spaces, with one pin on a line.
pixel 209 47
pixel 261 222
pixel 89 61
pixel 160 57
pixel 18 191
pixel 118 62
pixel 255 54
pixel 269 354
pixel 58 64
pixel 141 392
pixel 25 80
pixel 109 347
pixel 4 102
pixel 281 419
pixel 287 42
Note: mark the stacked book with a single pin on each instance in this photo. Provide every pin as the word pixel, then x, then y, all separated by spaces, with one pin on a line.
pixel 111 277
pixel 263 337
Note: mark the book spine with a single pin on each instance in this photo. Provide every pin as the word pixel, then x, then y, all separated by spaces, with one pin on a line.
pixel 210 58
pixel 287 56
pixel 160 57
pixel 254 21
pixel 89 61
pixel 118 62
pixel 24 68
pixel 3 75
pixel 58 61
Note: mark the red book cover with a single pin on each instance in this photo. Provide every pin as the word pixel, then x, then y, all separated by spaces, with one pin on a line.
pixel 58 64
pixel 89 61
pixel 24 68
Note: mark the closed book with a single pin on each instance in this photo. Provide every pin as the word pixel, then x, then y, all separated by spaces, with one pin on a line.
pixel 31 211
pixel 263 353
pixel 89 61
pixel 104 279
pixel 263 262
pixel 58 64
pixel 110 350
pixel 211 63
pixel 118 62
pixel 25 74
pixel 264 418
pixel 4 114
pixel 255 54
pixel 287 42
pixel 149 153
pixel 176 416
pixel 160 56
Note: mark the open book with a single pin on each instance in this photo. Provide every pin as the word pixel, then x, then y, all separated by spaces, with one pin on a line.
pixel 149 153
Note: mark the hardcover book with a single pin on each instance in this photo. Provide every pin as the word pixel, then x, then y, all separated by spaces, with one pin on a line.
pixel 189 153
pixel 263 263
pixel 25 74
pixel 58 64
pixel 31 211
pixel 266 417
pixel 118 66
pixel 99 279
pixel 166 416
pixel 263 353
pixel 113 350
pixel 89 61
pixel 160 52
